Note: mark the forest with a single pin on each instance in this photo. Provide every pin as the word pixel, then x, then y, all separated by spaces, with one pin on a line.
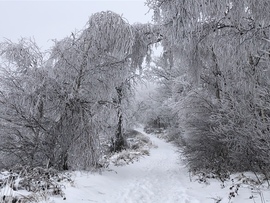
pixel 68 108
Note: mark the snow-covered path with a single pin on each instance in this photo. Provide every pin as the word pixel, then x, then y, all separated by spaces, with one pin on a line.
pixel 156 178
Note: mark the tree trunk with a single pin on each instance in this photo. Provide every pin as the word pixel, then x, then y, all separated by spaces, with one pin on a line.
pixel 119 142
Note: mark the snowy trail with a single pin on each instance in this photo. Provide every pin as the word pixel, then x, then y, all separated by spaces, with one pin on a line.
pixel 154 179
pixel 158 178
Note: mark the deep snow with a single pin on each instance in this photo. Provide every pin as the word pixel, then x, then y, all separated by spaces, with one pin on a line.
pixel 158 178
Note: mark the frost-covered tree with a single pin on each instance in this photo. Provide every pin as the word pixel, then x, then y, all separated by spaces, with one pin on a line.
pixel 67 107
pixel 98 67
pixel 223 46
pixel 157 108
pixel 22 99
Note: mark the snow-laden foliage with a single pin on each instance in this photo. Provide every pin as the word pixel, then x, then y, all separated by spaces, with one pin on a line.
pixel 59 110
pixel 26 184
pixel 108 33
pixel 138 145
pixel 23 55
pixel 221 48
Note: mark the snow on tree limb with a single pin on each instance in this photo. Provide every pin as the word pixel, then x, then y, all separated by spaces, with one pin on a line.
pixel 107 32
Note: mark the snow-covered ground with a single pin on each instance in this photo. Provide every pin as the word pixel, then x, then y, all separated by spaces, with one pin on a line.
pixel 158 178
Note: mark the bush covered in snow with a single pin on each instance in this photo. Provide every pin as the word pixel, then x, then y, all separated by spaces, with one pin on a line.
pixel 222 138
pixel 27 184
pixel 138 145
pixel 250 186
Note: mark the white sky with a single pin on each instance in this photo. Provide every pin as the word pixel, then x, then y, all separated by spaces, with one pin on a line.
pixel 46 20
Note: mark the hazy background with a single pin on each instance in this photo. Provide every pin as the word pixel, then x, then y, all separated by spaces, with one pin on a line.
pixel 47 20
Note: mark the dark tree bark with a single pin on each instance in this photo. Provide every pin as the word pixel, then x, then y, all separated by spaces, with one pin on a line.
pixel 119 141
